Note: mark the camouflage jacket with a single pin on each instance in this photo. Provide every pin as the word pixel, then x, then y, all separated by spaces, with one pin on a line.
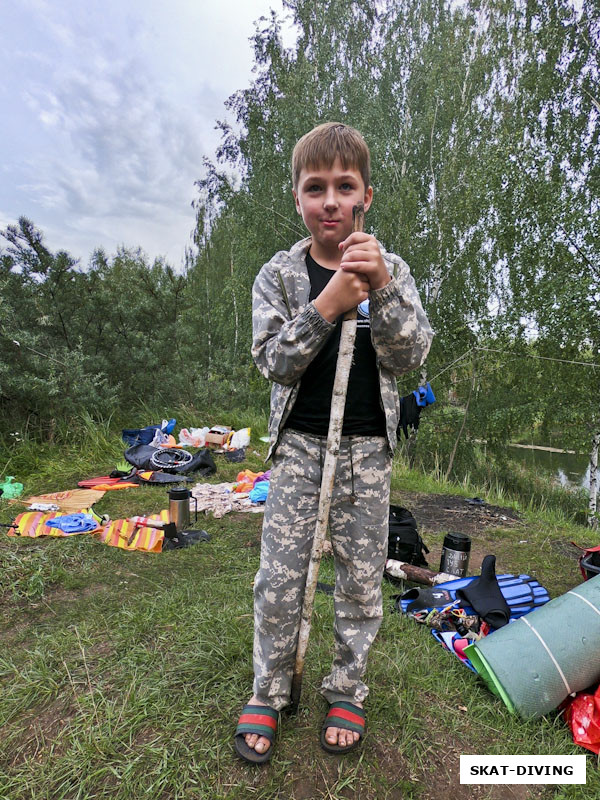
pixel 288 332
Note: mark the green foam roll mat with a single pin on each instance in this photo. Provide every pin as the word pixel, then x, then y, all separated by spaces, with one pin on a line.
pixel 535 662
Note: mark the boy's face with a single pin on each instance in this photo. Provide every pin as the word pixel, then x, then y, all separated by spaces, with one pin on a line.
pixel 325 198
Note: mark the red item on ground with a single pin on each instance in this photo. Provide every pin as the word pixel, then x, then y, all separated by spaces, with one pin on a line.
pixel 583 717
pixel 91 483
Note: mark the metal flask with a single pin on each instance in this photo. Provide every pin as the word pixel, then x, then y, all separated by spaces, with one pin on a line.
pixel 455 554
pixel 179 508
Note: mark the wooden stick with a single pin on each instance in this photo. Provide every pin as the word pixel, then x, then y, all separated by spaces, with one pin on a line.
pixel 334 435
pixel 414 574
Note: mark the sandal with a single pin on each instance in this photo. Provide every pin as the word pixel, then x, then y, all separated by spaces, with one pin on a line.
pixel 347 716
pixel 261 720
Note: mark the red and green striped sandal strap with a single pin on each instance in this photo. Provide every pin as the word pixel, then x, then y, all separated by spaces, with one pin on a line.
pixel 347 716
pixel 261 720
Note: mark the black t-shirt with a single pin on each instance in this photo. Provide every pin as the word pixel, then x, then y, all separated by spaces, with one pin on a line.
pixel 363 415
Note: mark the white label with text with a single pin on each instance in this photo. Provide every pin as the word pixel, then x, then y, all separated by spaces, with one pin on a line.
pixel 522 769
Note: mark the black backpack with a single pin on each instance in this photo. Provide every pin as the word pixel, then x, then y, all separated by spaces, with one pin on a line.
pixel 404 542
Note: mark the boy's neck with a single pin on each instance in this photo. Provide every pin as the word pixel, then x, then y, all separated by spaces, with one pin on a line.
pixel 328 258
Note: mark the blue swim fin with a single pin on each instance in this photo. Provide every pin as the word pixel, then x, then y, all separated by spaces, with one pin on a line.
pixel 521 592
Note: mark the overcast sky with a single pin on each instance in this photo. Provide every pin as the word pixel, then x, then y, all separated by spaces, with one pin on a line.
pixel 108 109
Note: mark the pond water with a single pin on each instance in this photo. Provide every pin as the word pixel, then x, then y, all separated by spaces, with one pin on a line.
pixel 570 470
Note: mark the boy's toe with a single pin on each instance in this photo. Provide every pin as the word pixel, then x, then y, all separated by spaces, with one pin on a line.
pixel 331 735
pixel 262 745
pixel 341 737
pixel 258 743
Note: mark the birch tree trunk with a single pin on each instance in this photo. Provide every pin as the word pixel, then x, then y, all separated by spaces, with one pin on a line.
pixel 235 310
pixel 462 427
pixel 592 508
pixel 208 324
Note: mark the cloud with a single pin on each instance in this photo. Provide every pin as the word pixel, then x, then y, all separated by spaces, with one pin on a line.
pixel 118 105
pixel 125 150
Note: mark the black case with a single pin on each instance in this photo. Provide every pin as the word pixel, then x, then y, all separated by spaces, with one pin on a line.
pixel 404 542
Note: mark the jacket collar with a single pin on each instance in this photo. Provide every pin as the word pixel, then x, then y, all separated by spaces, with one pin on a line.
pixel 299 250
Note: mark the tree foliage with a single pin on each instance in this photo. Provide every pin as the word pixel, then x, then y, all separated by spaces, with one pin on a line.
pixel 482 120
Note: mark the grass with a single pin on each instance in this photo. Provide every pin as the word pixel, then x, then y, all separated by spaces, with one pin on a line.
pixel 123 674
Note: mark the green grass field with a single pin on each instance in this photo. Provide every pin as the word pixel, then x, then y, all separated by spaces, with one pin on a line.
pixel 123 673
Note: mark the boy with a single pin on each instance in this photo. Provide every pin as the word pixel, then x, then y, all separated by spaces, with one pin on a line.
pixel 299 298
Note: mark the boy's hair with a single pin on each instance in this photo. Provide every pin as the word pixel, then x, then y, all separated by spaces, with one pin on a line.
pixel 321 146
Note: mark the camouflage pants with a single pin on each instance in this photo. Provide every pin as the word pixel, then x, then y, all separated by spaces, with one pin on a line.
pixel 358 525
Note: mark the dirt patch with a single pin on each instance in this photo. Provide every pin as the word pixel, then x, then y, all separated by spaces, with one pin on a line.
pixel 440 513
pixel 39 732
pixel 312 775
pixel 99 650
pixel 564 548
pixel 60 595
pixel 56 595
pixel 145 736
pixel 18 614
pixel 444 782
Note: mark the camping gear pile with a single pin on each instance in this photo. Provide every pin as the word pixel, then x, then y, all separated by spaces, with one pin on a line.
pixel 466 610
pixel 493 622
pixel 556 648
pixel 153 457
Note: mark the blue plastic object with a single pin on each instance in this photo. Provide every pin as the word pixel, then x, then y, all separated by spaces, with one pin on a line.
pixel 424 395
pixel 133 436
pixel 73 523
pixel 521 592
pixel 259 493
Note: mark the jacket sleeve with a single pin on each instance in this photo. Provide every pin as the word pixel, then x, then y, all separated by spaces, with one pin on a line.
pixel 400 331
pixel 284 341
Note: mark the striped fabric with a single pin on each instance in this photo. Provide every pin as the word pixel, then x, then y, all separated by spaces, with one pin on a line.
pixel 69 501
pixel 261 720
pixel 347 716
pixel 33 524
pixel 124 534
pixel 118 533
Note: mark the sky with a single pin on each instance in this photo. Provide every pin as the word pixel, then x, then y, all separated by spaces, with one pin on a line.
pixel 108 109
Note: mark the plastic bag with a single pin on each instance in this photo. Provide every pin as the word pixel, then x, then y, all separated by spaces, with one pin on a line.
pixel 160 439
pixel 583 717
pixel 10 488
pixel 260 492
pixel 239 439
pixel 73 523
pixel 195 437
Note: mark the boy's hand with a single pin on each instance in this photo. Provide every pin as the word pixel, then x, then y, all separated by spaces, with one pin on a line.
pixel 361 255
pixel 344 291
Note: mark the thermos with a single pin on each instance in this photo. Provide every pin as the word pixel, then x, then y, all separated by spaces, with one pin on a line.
pixel 179 508
pixel 455 554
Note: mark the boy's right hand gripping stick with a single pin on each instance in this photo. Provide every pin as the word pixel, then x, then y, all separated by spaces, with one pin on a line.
pixel 334 435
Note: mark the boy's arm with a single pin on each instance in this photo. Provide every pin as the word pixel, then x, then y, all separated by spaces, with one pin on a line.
pixel 282 348
pixel 400 331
